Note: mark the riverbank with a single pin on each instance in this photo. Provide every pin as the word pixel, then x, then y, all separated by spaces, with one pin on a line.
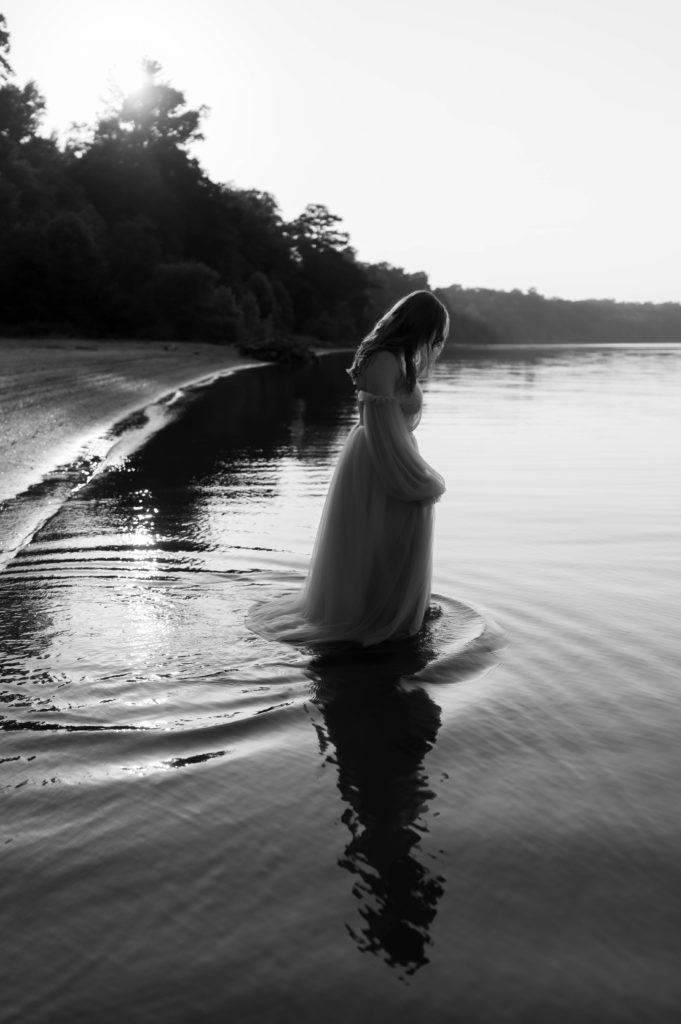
pixel 56 392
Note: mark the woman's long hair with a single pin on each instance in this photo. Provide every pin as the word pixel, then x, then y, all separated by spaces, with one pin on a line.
pixel 416 327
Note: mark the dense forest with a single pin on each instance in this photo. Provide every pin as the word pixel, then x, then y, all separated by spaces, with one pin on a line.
pixel 119 232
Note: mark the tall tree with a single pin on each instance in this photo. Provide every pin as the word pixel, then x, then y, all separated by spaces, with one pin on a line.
pixel 317 230
pixel 330 288
pixel 21 111
pixel 135 163
pixel 154 114
pixel 5 66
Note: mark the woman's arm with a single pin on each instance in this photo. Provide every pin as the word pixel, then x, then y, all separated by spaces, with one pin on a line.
pixel 403 473
pixel 381 373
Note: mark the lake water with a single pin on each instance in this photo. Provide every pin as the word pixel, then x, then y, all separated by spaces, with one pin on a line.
pixel 202 825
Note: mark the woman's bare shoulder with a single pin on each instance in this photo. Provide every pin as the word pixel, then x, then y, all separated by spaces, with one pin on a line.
pixel 381 372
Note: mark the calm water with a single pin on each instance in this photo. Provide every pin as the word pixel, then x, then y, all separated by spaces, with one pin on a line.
pixel 201 825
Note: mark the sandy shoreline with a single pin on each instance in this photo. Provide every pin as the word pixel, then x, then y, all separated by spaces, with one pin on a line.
pixel 54 394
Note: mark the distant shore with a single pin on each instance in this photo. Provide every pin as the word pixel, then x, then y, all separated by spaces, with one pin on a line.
pixel 54 392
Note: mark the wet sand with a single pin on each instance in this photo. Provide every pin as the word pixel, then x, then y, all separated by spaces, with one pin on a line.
pixel 54 393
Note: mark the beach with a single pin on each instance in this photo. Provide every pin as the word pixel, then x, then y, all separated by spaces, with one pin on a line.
pixel 62 402
pixel 56 392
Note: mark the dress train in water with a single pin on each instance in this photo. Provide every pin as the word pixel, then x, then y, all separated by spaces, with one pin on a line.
pixel 370 573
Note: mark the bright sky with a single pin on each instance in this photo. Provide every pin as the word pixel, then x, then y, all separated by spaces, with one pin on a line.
pixel 492 143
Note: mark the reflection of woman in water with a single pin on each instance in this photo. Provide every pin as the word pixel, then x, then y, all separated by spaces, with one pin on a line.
pixel 369 578
pixel 381 734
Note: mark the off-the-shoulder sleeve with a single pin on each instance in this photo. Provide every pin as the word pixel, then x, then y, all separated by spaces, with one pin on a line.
pixel 403 473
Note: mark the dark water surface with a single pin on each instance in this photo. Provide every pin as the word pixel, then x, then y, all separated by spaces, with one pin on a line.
pixel 201 825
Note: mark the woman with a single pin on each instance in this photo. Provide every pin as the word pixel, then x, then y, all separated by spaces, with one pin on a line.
pixel 369 578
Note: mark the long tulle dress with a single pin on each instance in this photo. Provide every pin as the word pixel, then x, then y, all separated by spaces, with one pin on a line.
pixel 370 573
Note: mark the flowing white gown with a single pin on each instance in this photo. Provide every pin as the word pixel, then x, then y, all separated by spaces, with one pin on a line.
pixel 370 573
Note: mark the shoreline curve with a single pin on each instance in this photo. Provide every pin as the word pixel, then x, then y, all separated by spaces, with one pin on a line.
pixel 68 407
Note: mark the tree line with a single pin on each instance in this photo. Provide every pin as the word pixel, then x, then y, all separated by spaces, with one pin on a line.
pixel 119 232
pixel 517 317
